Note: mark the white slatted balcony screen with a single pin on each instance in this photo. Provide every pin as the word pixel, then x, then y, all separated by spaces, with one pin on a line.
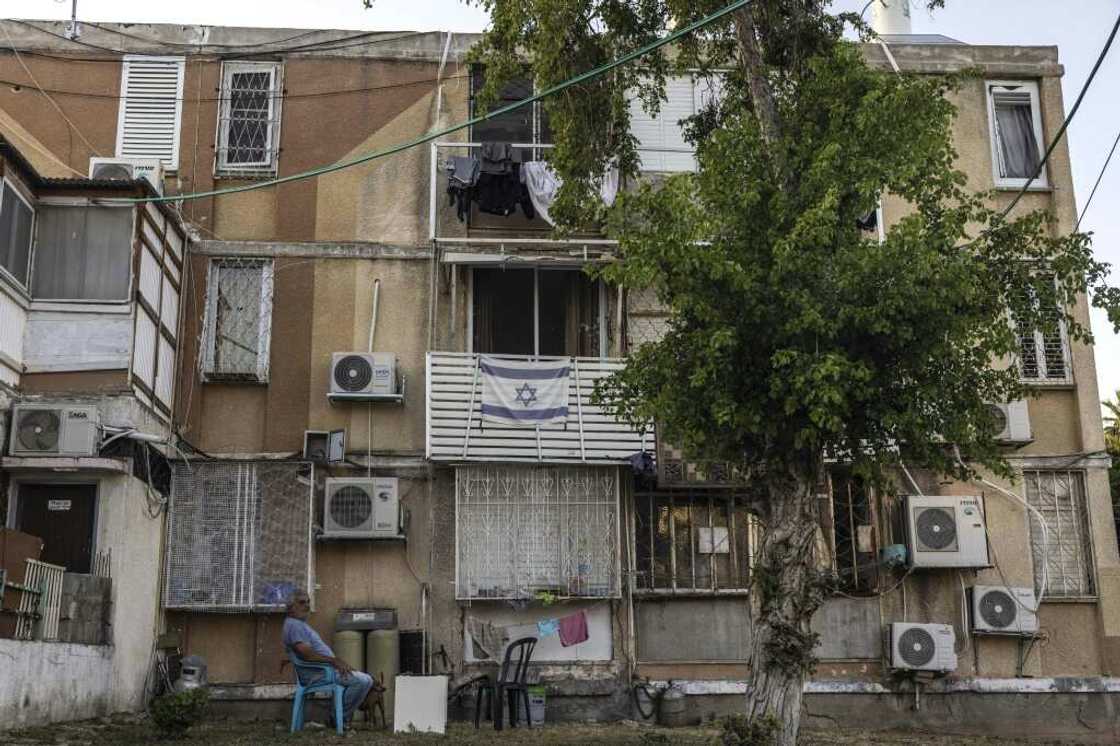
pixel 150 109
pixel 456 432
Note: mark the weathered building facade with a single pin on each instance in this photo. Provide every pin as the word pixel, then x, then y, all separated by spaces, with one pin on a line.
pixel 501 528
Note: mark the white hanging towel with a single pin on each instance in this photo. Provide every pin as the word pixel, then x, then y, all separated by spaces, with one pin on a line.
pixel 543 184
pixel 524 394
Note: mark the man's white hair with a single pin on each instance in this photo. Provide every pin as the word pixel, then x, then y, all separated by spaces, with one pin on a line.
pixel 295 595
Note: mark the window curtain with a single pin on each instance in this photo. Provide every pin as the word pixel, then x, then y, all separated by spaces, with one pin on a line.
pixel 1018 148
pixel 83 253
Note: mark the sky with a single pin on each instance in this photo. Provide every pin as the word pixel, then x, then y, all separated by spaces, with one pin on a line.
pixel 1079 32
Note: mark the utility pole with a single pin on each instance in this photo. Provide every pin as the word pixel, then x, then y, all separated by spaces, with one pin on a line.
pixel 73 29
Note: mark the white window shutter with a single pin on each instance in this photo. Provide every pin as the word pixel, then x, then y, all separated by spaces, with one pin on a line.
pixel 663 134
pixel 150 109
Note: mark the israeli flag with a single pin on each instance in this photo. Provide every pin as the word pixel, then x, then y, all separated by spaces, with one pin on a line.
pixel 524 394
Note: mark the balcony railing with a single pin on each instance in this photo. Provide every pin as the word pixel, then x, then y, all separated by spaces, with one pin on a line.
pixel 457 433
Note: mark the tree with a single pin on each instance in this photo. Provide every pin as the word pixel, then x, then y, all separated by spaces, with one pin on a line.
pixel 1112 445
pixel 794 337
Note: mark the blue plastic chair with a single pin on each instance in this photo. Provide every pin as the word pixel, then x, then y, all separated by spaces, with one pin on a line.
pixel 328 682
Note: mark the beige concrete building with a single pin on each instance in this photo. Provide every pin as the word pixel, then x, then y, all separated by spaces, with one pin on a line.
pixel 492 529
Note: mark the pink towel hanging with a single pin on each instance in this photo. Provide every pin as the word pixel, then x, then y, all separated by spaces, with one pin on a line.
pixel 573 629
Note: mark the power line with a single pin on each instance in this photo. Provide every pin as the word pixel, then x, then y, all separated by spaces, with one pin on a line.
pixel 582 77
pixel 279 95
pixel 1100 176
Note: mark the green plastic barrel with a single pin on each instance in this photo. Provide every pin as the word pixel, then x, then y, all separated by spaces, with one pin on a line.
pixel 383 661
pixel 349 646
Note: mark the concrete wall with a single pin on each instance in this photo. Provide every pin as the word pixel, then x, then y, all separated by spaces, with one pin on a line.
pixel 48 682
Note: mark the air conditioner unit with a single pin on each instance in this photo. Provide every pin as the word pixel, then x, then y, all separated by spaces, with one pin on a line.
pixel 127 169
pixel 54 430
pixel 370 373
pixel 1012 421
pixel 946 531
pixel 362 508
pixel 997 609
pixel 922 647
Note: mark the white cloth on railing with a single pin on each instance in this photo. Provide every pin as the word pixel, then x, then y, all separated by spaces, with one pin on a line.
pixel 543 185
pixel 524 394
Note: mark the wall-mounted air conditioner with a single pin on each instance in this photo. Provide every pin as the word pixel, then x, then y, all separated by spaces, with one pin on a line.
pixel 364 373
pixel 921 647
pixel 367 508
pixel 127 169
pixel 946 531
pixel 997 609
pixel 54 430
pixel 1012 421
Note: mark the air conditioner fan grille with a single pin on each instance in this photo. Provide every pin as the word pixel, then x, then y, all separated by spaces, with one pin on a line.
pixel 351 507
pixel 353 373
pixel 936 528
pixel 916 646
pixel 38 430
pixel 997 609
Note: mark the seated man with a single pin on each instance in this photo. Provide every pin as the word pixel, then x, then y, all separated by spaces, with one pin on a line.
pixel 304 641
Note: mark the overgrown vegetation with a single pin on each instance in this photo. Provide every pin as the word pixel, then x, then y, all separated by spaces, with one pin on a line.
pixel 738 730
pixel 174 714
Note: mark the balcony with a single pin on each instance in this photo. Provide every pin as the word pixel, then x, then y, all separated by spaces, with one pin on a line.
pixel 457 434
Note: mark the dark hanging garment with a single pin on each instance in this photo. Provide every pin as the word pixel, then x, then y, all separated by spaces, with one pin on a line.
pixel 502 193
pixel 462 176
pixel 497 158
pixel 868 221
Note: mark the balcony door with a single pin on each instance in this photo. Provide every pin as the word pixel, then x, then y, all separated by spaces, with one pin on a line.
pixel 545 312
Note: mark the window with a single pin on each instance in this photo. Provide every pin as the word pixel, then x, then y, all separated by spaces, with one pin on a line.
pixel 852 532
pixel 82 252
pixel 16 219
pixel 238 535
pixel 536 312
pixel 1043 353
pixel 524 530
pixel 249 117
pixel 661 142
pixel 692 542
pixel 238 320
pixel 1060 497
pixel 528 124
pixel 151 106
pixel 1016 129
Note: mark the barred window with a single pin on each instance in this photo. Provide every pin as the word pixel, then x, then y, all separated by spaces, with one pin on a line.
pixel 1060 497
pixel 249 119
pixel 1043 353
pixel 238 320
pixel 852 531
pixel 238 535
pixel 524 530
pixel 690 542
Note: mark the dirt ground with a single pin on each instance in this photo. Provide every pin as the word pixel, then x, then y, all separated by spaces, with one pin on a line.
pixel 138 730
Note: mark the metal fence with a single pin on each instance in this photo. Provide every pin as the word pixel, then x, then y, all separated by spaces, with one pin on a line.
pixel 239 535
pixel 1059 496
pixel 524 530
pixel 46 579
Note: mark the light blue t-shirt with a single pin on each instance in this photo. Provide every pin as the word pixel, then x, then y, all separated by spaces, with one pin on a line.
pixel 297 630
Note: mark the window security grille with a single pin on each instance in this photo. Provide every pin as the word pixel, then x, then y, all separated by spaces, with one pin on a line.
pixel 151 105
pixel 1060 497
pixel 520 530
pixel 646 319
pixel 238 536
pixel 238 320
pixel 1044 353
pixel 693 542
pixel 249 118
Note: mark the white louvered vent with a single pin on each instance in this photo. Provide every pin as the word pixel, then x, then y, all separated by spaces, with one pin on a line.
pixel 151 105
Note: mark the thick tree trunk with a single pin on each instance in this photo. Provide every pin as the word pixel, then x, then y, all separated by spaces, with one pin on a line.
pixel 789 588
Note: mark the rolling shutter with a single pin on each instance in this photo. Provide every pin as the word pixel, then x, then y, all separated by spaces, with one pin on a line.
pixel 151 105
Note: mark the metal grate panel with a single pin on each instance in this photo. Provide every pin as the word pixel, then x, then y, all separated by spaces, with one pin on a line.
pixel 520 530
pixel 1060 497
pixel 239 535
pixel 248 137
pixel 238 319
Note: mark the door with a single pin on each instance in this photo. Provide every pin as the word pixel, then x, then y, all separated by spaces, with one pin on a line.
pixel 63 516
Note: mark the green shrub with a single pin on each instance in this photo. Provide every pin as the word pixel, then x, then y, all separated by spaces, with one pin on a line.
pixel 654 738
pixel 173 714
pixel 739 730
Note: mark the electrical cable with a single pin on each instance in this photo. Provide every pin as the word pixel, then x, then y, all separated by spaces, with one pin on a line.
pixel 581 78
pixel 1100 176
pixel 1057 138
pixel 46 95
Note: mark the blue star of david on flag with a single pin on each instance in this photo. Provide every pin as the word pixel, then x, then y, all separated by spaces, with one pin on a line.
pixel 524 394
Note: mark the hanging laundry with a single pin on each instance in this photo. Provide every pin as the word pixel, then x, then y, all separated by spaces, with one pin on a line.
pixel 548 627
pixel 502 193
pixel 462 176
pixel 498 158
pixel 543 184
pixel 489 640
pixel 573 629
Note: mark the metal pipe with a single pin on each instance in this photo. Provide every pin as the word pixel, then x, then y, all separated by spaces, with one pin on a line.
pixel 373 316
